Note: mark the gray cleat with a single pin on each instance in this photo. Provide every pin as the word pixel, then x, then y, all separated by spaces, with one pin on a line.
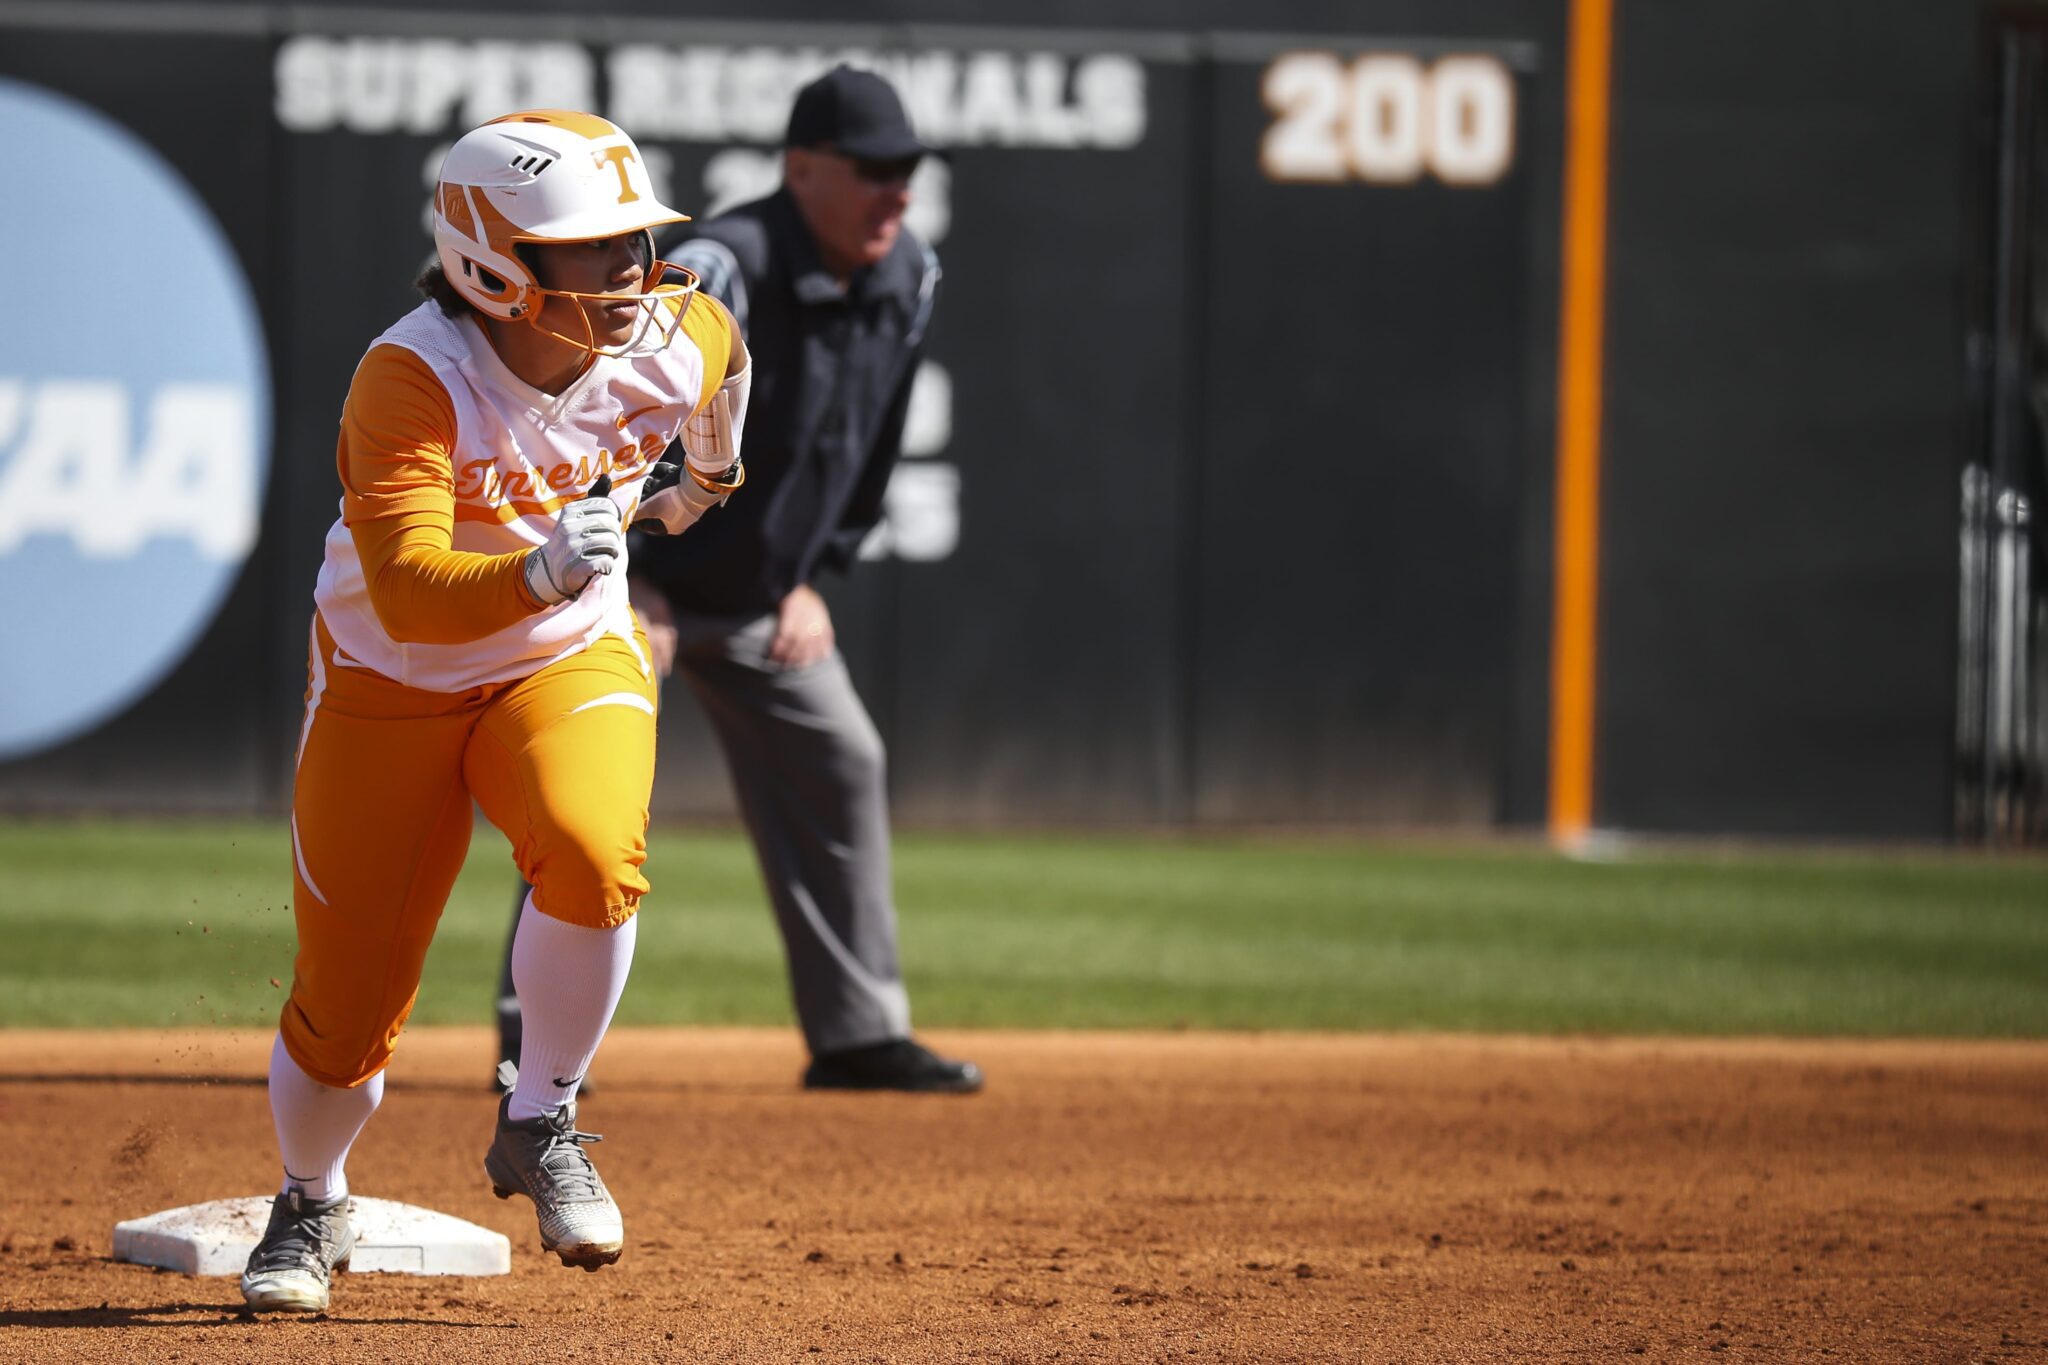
pixel 304 1245
pixel 543 1159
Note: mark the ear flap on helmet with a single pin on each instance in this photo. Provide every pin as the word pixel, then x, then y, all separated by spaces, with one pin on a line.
pixel 496 281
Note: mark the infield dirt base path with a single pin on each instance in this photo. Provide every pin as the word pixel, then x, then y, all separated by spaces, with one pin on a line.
pixel 1118 1197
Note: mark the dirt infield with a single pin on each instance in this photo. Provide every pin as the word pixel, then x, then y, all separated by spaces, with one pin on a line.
pixel 1111 1198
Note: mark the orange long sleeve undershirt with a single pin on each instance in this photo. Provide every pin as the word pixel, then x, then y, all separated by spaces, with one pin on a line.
pixel 396 463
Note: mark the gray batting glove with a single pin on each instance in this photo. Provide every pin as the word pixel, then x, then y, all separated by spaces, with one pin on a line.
pixel 588 540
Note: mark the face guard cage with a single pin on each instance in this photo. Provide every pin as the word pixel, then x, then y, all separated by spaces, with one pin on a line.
pixel 661 308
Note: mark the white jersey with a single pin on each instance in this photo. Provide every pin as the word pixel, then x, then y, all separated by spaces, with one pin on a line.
pixel 515 456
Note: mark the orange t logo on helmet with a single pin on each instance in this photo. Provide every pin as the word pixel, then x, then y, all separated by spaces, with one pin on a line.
pixel 546 176
pixel 619 156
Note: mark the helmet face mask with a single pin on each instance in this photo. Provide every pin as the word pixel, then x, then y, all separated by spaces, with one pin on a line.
pixel 550 177
pixel 661 298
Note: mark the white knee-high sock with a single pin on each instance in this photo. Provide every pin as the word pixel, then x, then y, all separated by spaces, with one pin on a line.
pixel 316 1124
pixel 569 980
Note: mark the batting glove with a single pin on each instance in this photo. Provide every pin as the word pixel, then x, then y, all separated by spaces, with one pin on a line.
pixel 588 540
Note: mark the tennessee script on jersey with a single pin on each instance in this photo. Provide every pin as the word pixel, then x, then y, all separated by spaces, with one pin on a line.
pixel 437 430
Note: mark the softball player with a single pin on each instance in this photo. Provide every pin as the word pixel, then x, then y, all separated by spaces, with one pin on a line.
pixel 472 642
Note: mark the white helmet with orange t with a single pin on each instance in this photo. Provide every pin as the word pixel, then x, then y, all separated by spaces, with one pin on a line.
pixel 549 176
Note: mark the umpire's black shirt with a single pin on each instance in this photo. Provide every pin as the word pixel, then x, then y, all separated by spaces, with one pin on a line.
pixel 832 372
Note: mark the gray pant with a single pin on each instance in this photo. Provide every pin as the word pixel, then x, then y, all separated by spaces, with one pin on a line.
pixel 809 771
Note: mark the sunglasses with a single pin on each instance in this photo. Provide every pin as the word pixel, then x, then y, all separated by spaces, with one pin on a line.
pixel 881 172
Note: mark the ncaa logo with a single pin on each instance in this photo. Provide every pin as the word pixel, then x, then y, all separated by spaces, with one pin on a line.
pixel 134 419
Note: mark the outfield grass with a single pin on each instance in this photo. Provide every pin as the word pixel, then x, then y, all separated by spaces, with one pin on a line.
pixel 187 923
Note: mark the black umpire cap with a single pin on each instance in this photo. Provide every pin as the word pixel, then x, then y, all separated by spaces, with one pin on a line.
pixel 856 113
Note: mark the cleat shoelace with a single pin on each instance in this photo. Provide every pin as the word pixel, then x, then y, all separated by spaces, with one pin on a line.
pixel 293 1241
pixel 563 1159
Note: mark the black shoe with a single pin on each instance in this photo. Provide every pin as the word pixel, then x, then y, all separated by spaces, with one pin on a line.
pixel 899 1064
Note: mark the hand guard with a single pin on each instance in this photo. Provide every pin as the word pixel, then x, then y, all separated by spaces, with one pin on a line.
pixel 587 541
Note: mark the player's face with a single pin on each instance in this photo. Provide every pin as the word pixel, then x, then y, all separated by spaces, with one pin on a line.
pixel 611 265
pixel 854 207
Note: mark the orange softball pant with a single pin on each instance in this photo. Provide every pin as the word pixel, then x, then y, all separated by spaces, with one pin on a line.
pixel 562 761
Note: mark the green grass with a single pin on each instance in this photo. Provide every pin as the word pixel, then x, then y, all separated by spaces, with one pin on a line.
pixel 186 923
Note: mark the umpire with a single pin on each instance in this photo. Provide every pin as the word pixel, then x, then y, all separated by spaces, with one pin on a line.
pixel 834 296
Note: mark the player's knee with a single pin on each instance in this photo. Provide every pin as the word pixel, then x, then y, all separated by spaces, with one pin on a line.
pixel 589 877
pixel 339 1052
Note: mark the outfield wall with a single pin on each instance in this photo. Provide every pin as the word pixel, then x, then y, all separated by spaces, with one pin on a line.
pixel 1230 485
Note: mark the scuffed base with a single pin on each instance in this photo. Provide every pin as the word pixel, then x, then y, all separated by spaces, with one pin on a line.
pixel 215 1238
